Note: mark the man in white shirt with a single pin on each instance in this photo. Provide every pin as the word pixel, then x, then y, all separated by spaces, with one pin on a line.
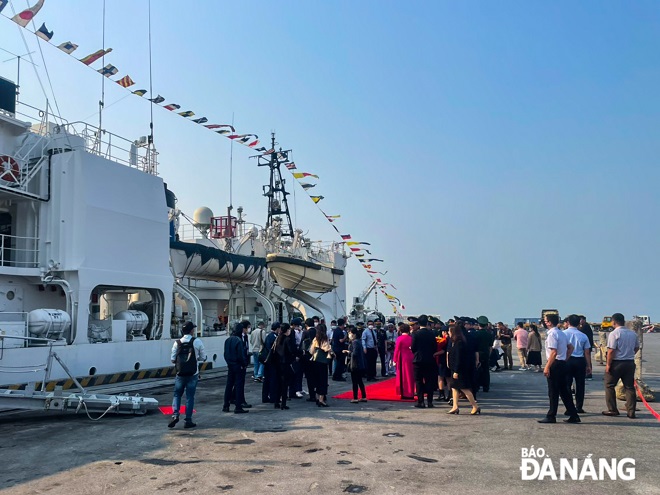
pixel 257 339
pixel 622 345
pixel 557 350
pixel 186 361
pixel 579 364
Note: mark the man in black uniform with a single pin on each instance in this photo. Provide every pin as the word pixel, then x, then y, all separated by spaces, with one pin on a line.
pixel 425 368
pixel 381 339
pixel 308 335
pixel 270 384
pixel 485 341
pixel 338 345
pixel 237 361
pixel 585 328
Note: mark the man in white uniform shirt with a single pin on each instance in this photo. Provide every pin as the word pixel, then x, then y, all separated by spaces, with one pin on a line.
pixel 557 350
pixel 622 345
pixel 579 364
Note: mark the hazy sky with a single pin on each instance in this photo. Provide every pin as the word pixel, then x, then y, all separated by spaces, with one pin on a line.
pixel 501 157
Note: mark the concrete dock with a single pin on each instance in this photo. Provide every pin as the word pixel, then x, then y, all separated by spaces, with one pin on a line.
pixel 373 447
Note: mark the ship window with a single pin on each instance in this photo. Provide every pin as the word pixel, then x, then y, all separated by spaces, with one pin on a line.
pixel 137 366
pixel 92 371
pixel 11 295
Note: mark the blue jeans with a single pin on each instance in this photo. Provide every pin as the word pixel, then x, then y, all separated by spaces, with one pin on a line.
pixel 258 370
pixel 189 384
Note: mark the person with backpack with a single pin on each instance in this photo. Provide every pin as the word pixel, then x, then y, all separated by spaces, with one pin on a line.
pixel 186 353
pixel 236 365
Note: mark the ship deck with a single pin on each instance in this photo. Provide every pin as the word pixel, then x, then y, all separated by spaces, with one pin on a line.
pixel 374 447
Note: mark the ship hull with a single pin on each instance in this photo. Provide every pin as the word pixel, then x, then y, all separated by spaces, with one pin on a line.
pixel 99 364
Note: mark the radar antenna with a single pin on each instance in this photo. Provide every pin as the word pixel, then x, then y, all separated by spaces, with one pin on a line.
pixel 275 191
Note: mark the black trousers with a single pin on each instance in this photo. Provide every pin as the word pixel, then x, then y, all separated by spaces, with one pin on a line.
pixel 295 384
pixel 372 358
pixel 284 378
pixel 483 373
pixel 383 362
pixel 426 380
pixel 356 378
pixel 270 385
pixel 340 364
pixel 235 388
pixel 577 370
pixel 321 381
pixel 310 374
pixel 624 371
pixel 558 387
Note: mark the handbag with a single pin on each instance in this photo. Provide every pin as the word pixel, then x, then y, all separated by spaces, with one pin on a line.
pixel 266 356
pixel 320 356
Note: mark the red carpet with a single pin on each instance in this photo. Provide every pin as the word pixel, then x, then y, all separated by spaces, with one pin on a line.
pixel 380 390
pixel 167 410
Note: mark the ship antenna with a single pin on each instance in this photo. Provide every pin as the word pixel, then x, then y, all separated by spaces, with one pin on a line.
pixel 102 102
pixel 231 169
pixel 151 119
pixel 231 187
pixel 18 69
pixel 276 190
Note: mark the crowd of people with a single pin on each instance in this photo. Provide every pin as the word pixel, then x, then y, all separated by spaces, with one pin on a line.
pixel 454 359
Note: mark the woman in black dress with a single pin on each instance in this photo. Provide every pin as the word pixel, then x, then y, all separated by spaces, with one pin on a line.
pixel 321 352
pixel 285 354
pixel 460 367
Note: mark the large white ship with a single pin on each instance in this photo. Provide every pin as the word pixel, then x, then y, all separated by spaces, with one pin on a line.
pixel 95 278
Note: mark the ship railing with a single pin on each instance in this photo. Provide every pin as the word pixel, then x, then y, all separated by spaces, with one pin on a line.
pixel 24 368
pixel 314 254
pixel 33 151
pixel 25 341
pixel 29 158
pixel 99 141
pixel 188 232
pixel 325 250
pixel 116 148
pixel 19 251
pixel 46 367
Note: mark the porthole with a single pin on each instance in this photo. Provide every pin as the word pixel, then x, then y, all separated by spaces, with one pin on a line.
pixel 215 357
pixel 92 371
pixel 11 295
pixel 136 366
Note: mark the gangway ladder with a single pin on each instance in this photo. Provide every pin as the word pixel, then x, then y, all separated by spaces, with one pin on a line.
pixel 58 400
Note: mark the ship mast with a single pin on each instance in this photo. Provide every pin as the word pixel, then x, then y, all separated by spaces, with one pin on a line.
pixel 275 191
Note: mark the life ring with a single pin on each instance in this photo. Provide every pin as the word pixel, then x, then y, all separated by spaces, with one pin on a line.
pixel 9 169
